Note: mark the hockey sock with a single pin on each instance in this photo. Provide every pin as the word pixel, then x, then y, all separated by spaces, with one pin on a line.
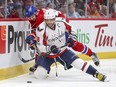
pixel 82 48
pixel 91 70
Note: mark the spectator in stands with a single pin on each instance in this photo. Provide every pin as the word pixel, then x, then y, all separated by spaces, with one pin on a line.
pixel 104 10
pixel 63 9
pixel 18 6
pixel 41 4
pixel 1 14
pixel 10 5
pixel 1 10
pixel 18 2
pixel 114 15
pixel 10 2
pixel 104 2
pixel 94 12
pixel 28 2
pixel 112 7
pixel 71 11
pixel 16 11
pixel 49 5
pixel 70 1
pixel 79 7
pixel 97 2
pixel 59 3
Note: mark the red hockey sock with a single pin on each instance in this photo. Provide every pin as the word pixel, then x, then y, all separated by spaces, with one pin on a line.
pixel 82 48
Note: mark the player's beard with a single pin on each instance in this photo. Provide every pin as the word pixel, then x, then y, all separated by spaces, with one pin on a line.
pixel 51 26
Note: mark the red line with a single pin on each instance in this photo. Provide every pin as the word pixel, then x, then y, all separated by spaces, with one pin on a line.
pixel 13 19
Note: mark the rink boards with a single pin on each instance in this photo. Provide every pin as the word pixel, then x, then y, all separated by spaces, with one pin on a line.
pixel 99 35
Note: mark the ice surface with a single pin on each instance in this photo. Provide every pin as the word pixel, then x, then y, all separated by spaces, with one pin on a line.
pixel 68 78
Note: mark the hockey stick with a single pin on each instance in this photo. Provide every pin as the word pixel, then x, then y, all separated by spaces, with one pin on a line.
pixel 37 50
pixel 39 54
pixel 23 60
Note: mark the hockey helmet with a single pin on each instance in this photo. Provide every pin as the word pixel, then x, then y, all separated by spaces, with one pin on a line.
pixel 30 10
pixel 49 14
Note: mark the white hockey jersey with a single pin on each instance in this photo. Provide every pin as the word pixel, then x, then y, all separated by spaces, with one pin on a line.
pixel 48 37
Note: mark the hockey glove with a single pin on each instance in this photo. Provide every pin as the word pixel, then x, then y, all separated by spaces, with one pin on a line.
pixel 70 42
pixel 30 40
pixel 54 49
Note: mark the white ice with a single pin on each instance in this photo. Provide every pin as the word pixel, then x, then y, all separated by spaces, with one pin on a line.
pixel 68 78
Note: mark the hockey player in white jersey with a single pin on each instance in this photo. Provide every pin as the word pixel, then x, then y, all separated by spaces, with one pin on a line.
pixel 37 17
pixel 53 36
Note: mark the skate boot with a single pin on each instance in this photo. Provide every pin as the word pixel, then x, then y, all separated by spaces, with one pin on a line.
pixel 32 69
pixel 95 59
pixel 100 76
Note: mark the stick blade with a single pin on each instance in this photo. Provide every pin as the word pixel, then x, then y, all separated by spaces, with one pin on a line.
pixel 22 59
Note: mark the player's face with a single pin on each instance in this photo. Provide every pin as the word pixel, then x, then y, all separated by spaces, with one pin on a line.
pixel 33 17
pixel 50 22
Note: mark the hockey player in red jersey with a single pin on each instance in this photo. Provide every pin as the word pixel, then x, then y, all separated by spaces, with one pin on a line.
pixel 54 36
pixel 37 17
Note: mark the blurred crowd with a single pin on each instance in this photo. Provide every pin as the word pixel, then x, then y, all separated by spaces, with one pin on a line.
pixel 71 8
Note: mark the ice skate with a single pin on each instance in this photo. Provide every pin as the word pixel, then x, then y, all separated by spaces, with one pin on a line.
pixel 95 59
pixel 32 70
pixel 100 76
